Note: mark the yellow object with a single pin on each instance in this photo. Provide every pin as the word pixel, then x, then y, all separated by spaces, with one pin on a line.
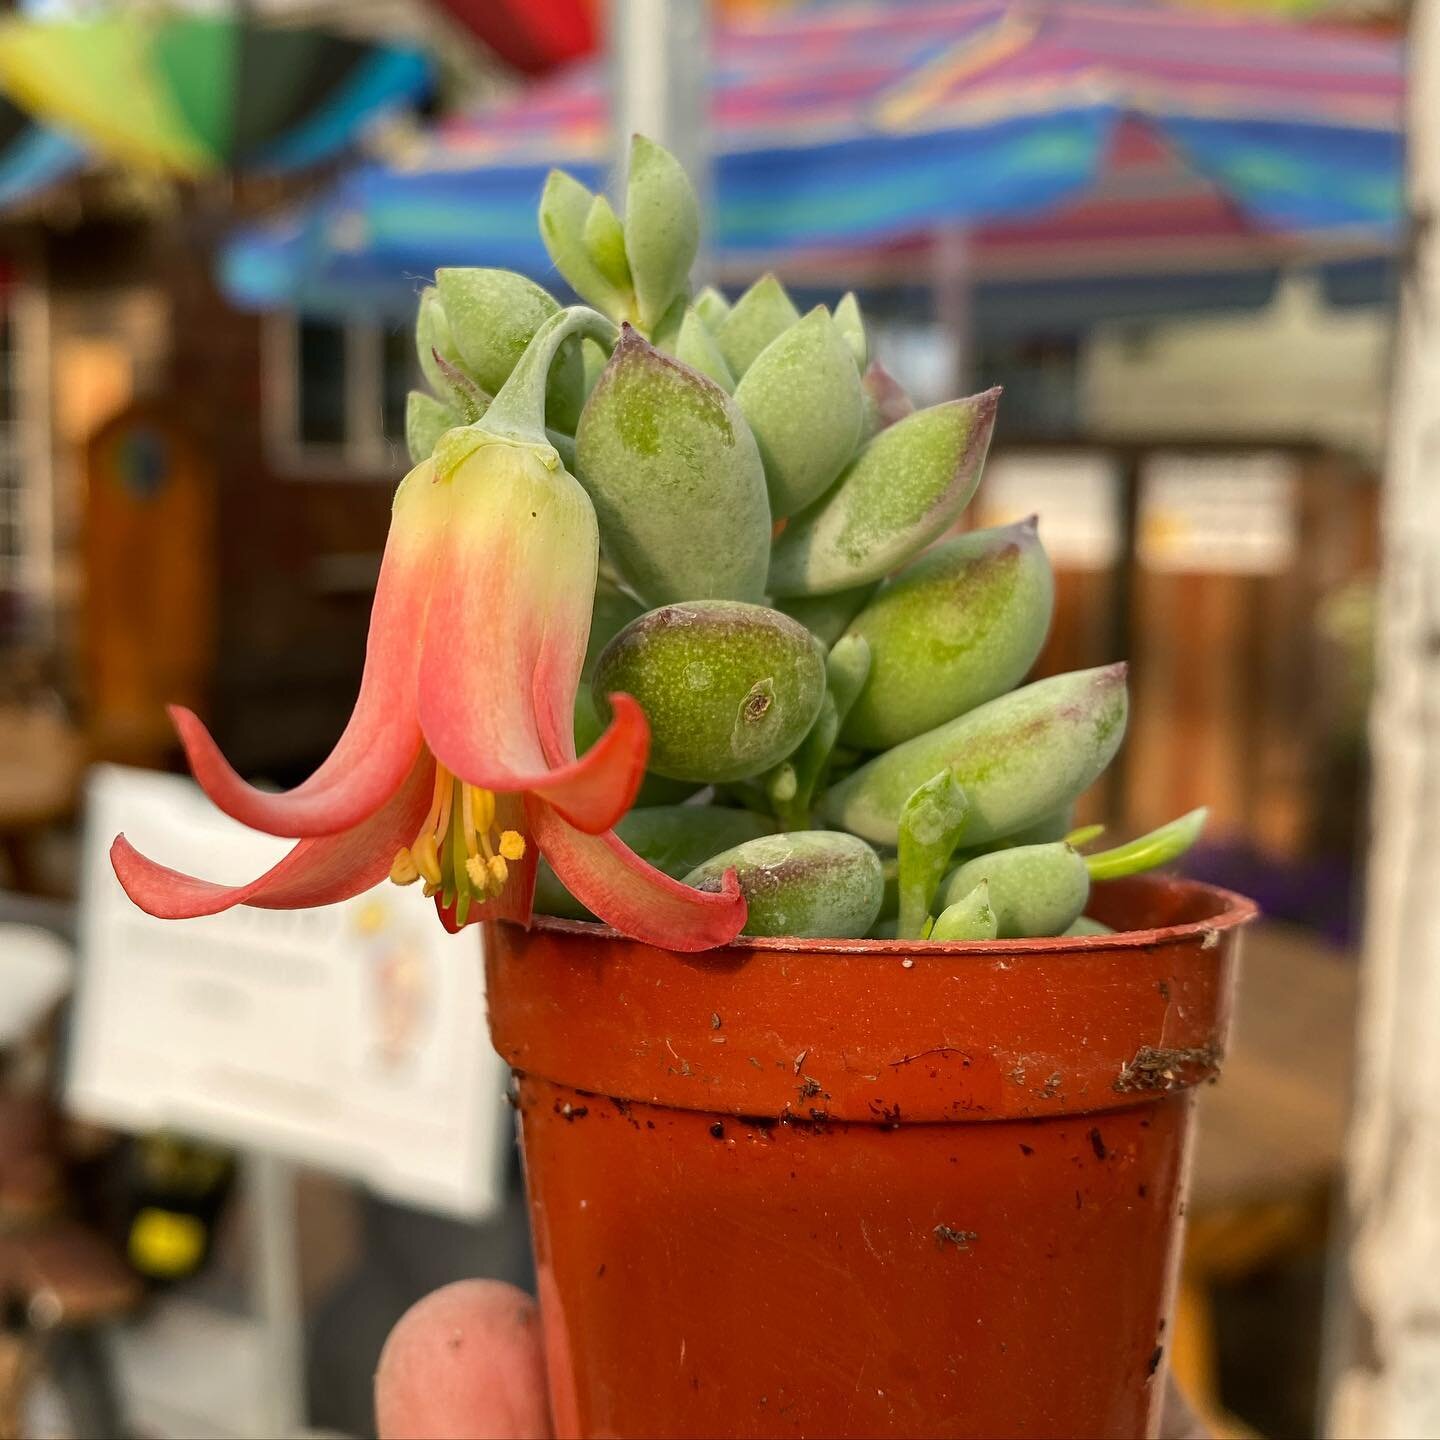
pixel 165 1244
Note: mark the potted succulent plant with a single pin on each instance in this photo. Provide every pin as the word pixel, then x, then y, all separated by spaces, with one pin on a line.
pixel 854 1083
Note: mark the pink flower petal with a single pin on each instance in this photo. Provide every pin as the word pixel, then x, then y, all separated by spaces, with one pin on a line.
pixel 318 871
pixel 373 756
pixel 514 587
pixel 610 879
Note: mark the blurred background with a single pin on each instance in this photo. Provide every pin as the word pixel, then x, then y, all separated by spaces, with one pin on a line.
pixel 1172 231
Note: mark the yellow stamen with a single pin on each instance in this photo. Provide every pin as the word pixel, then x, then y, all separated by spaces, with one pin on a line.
pixel 484 803
pixel 479 875
pixel 499 870
pixel 404 870
pixel 512 844
pixel 431 890
pixel 427 857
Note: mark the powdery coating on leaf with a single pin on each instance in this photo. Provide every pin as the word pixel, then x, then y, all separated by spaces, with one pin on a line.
pixel 761 314
pixel 1019 757
pixel 897 495
pixel 676 479
pixel 1034 889
pixel 959 626
pixel 729 689
pixel 808 883
pixel 803 402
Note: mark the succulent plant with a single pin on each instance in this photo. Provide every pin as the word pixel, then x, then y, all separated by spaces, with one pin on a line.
pixel 812 676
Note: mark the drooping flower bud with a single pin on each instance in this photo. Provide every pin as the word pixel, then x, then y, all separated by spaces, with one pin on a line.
pixel 676 479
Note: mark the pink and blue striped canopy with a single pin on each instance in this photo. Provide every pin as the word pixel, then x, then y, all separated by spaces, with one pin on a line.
pixel 851 124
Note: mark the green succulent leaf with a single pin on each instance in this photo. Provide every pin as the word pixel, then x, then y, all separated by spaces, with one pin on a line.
pixel 906 486
pixel 930 824
pixel 696 347
pixel 762 314
pixel 827 617
pixel 676 479
pixel 1019 757
pixel 846 667
pixel 729 689
pixel 1086 926
pixel 712 308
pixel 885 400
pixel 1149 852
pixel 1034 889
pixel 801 397
pixel 955 628
pixel 565 208
pixel 433 339
pixel 972 917
pixel 851 325
pixel 807 883
pixel 426 420
pixel 604 238
pixel 662 228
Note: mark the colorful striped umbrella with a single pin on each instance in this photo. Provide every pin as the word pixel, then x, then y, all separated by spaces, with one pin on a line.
pixel 32 156
pixel 853 124
pixel 196 93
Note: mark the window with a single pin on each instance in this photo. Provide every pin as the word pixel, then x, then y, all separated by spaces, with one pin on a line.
pixel 27 560
pixel 334 396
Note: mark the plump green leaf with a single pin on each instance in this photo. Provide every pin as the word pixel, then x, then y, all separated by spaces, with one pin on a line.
pixel 846 667
pixel 1148 852
pixel 930 824
pixel 676 479
pixel 801 397
pixel 955 628
pixel 433 338
pixel 426 420
pixel 885 399
pixel 604 237
pixel 905 487
pixel 1034 889
pixel 712 308
pixel 808 883
pixel 1086 926
pixel 696 347
pixel 851 325
pixel 827 617
pixel 762 314
pixel 564 212
pixel 662 227
pixel 1019 757
pixel 614 610
pixel 729 689
pixel 493 315
pixel 971 917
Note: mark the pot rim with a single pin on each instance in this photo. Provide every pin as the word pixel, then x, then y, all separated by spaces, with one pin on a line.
pixel 1236 910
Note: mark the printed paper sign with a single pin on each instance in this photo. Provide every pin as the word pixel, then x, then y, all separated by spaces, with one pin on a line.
pixel 1218 514
pixel 1076 493
pixel 350 1037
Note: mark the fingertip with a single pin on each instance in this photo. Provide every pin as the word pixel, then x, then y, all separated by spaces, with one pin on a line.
pixel 466 1361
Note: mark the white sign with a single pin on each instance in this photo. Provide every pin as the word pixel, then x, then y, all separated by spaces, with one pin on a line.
pixel 350 1037
pixel 1218 514
pixel 1076 494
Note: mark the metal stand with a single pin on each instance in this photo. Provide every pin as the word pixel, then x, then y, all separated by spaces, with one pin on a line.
pixel 275 1289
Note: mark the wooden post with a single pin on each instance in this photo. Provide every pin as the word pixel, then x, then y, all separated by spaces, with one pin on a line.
pixel 1384 1355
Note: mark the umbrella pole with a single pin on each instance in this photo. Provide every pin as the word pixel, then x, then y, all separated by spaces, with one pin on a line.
pixel 952 282
pixel 659 82
pixel 1386 1296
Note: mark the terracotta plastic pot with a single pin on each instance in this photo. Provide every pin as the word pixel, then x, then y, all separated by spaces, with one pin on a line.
pixel 855 1188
